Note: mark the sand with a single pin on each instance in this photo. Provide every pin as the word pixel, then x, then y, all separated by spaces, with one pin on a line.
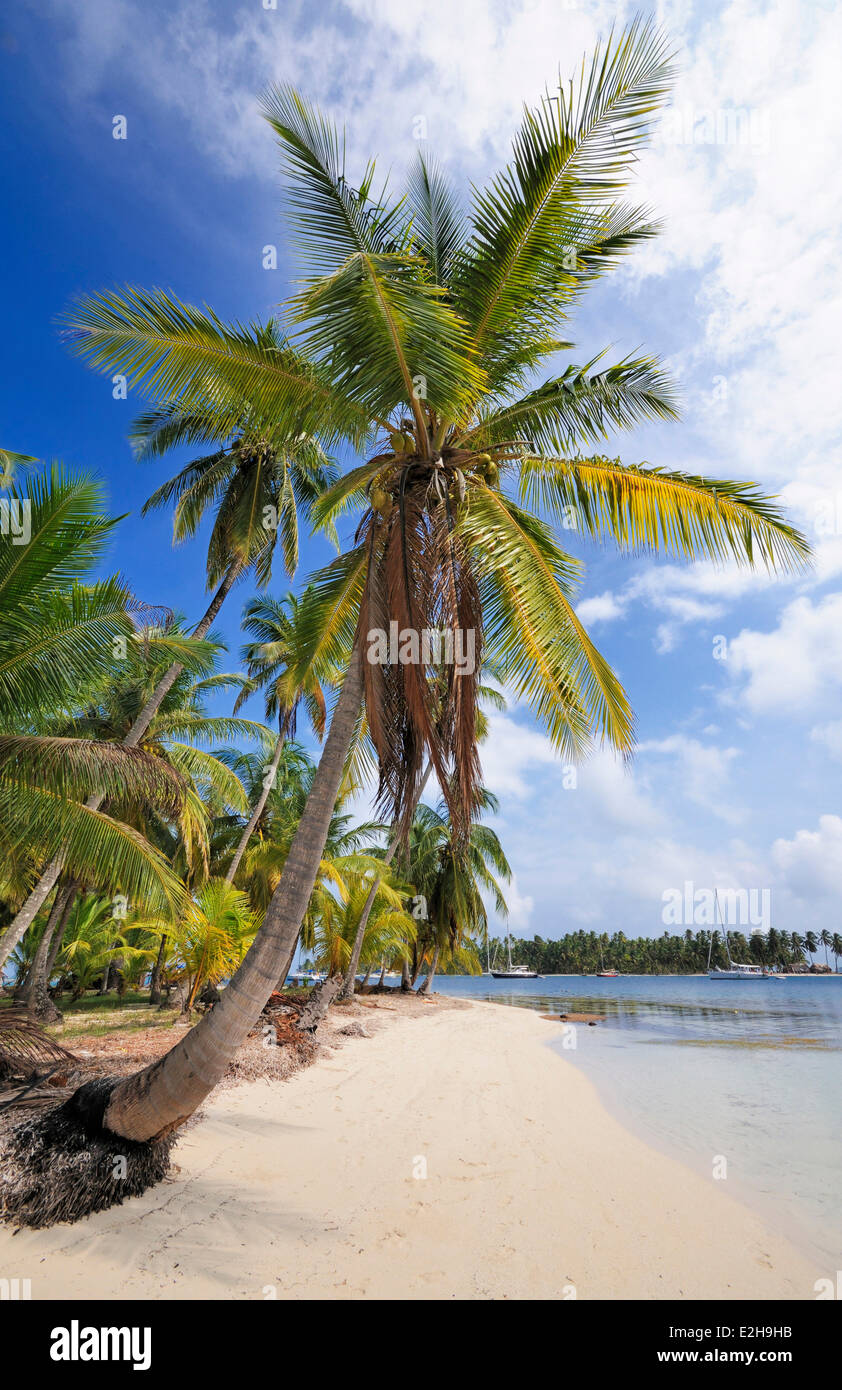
pixel 453 1154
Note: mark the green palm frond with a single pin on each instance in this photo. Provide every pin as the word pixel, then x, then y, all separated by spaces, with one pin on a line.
pixel 208 773
pixel 179 354
pixel 532 631
pixel 437 223
pixel 97 848
pixel 580 406
pixel 667 512
pixel 68 532
pixel 79 768
pixel 370 311
pixel 571 155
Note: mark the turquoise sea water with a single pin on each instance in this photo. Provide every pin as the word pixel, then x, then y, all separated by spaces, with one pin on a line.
pixel 751 1072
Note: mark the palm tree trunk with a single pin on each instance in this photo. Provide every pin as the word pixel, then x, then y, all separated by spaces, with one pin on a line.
pixel 29 991
pixel 155 977
pixel 21 923
pixel 58 934
pixel 39 1003
pixel 268 783
pixel 349 983
pixel 425 988
pixel 154 1102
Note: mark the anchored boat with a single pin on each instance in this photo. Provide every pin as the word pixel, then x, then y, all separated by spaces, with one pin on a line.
pixel 512 972
pixel 735 971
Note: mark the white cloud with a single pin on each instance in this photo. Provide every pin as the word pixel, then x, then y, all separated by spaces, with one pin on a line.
pixel 703 772
pixel 602 608
pixel 511 754
pixel 810 865
pixel 797 665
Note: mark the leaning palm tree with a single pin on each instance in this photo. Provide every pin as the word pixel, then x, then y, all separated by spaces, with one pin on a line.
pixel 421 334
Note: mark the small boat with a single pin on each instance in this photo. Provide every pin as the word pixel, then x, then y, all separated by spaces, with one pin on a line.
pixel 305 977
pixel 604 974
pixel 513 972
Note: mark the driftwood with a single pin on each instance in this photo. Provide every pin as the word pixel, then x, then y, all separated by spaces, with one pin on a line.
pixel 319 1003
pixel 295 1021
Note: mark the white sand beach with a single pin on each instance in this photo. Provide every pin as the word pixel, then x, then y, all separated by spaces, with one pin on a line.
pixel 314 1188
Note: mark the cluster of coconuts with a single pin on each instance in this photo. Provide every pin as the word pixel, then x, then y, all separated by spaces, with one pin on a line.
pixel 486 468
pixel 483 466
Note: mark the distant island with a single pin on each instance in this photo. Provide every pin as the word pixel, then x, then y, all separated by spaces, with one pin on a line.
pixel 585 953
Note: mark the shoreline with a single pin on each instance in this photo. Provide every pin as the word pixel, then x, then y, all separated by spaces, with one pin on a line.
pixel 315 1187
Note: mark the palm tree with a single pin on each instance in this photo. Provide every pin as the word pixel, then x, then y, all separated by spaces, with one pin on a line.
pixel 257 480
pixel 811 944
pixel 58 638
pixel 491 696
pixel 826 940
pixel 836 947
pixel 271 657
pixel 209 940
pixel 427 331
pixel 390 930
pixel 451 878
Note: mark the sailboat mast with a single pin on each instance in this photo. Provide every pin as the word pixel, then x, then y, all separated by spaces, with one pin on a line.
pixel 720 919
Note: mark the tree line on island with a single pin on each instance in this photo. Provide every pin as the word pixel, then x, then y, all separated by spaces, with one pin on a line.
pixel 586 953
pixel 146 823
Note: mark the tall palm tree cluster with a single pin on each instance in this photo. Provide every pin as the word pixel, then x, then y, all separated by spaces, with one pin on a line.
pixel 429 338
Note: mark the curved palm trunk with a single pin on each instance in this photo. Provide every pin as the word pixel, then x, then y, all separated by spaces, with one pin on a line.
pixel 21 923
pixel 425 988
pixel 268 783
pixel 349 983
pixel 155 1101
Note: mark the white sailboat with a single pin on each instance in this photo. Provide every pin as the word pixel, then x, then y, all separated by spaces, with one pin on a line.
pixel 735 971
pixel 512 972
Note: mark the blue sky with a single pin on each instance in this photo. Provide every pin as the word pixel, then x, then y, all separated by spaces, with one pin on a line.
pixel 736 781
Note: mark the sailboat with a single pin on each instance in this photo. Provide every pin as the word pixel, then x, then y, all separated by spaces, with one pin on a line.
pixel 604 974
pixel 512 972
pixel 734 971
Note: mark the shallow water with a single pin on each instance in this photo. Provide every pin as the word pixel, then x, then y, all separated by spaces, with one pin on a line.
pixel 706 1070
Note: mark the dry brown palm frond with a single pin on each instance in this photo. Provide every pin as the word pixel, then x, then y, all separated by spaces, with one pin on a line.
pixel 422 596
pixel 23 1043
